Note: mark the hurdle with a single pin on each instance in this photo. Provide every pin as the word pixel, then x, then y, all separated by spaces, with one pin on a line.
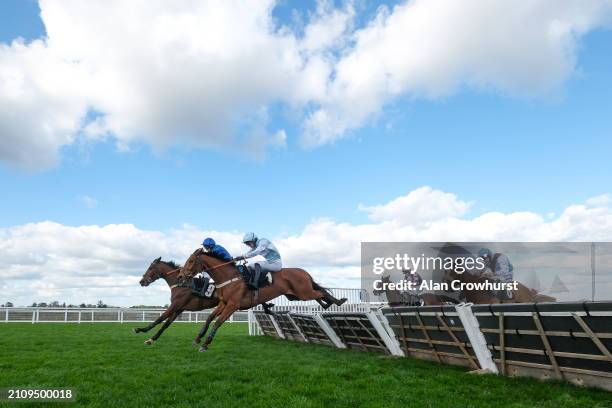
pixel 564 341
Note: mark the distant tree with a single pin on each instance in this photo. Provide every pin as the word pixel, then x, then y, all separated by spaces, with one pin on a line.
pixel 8 304
pixel 42 304
pixel 34 304
pixel 55 303
pixel 64 304
pixel 82 305
pixel 100 304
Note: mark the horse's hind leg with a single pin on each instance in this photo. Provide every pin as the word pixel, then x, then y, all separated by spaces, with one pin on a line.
pixel 167 323
pixel 337 302
pixel 157 321
pixel 216 311
pixel 329 298
pixel 267 307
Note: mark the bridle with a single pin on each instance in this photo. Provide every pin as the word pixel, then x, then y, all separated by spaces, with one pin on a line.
pixel 158 273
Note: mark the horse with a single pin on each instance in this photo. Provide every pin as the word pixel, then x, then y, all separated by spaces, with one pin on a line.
pixel 522 294
pixel 181 297
pixel 234 294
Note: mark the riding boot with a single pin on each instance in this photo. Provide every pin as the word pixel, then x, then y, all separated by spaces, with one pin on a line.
pixel 254 283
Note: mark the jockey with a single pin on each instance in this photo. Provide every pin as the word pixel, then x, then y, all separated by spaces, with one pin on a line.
pixel 415 279
pixel 498 263
pixel 260 246
pixel 215 250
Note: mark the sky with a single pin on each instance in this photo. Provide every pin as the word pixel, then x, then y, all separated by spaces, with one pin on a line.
pixel 131 130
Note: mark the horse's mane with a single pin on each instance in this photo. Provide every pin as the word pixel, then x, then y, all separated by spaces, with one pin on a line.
pixel 171 264
pixel 200 251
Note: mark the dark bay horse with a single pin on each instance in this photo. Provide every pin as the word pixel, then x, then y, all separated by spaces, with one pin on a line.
pixel 234 294
pixel 181 297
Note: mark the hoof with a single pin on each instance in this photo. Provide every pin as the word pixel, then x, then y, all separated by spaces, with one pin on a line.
pixel 196 342
pixel 202 349
pixel 148 342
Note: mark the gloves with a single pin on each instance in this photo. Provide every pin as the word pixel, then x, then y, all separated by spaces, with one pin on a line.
pixel 239 258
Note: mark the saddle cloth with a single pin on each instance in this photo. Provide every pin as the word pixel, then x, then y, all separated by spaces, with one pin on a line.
pixel 202 287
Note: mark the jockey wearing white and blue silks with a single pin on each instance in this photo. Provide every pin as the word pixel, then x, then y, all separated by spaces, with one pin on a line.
pixel 263 247
pixel 499 264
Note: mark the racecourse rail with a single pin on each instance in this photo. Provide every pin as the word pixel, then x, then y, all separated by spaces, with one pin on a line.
pixel 136 315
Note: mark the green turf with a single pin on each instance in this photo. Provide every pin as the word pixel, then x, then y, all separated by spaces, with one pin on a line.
pixel 110 366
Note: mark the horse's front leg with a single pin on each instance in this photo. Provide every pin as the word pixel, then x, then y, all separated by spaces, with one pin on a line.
pixel 216 311
pixel 227 312
pixel 157 321
pixel 167 323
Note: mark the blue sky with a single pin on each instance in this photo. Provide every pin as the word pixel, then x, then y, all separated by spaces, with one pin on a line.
pixel 504 153
pixel 503 146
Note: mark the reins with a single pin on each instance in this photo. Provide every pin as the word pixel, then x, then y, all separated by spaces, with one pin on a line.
pixel 227 282
pixel 176 285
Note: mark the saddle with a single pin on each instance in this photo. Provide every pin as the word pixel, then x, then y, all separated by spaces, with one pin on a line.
pixel 202 287
pixel 247 274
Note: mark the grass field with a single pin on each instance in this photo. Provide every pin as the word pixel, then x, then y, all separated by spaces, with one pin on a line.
pixel 109 366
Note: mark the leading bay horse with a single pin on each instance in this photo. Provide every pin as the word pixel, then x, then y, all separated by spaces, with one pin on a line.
pixel 234 294
pixel 181 297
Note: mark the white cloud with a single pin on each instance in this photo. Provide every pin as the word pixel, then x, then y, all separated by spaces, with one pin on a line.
pixel 47 261
pixel 199 73
pixel 600 200
pixel 430 48
pixel 419 206
pixel 88 201
pixel 41 104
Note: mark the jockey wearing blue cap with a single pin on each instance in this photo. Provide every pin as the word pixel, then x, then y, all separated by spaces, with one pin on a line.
pixel 215 250
pixel 265 248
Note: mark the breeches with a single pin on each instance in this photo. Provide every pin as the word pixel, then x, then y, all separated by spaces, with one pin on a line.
pixel 267 266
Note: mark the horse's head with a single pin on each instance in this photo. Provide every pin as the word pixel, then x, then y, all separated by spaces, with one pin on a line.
pixel 193 265
pixel 152 274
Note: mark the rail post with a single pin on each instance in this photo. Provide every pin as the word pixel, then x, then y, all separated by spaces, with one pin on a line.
pixel 477 340
pixel 381 325
pixel 331 334
pixel 250 322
